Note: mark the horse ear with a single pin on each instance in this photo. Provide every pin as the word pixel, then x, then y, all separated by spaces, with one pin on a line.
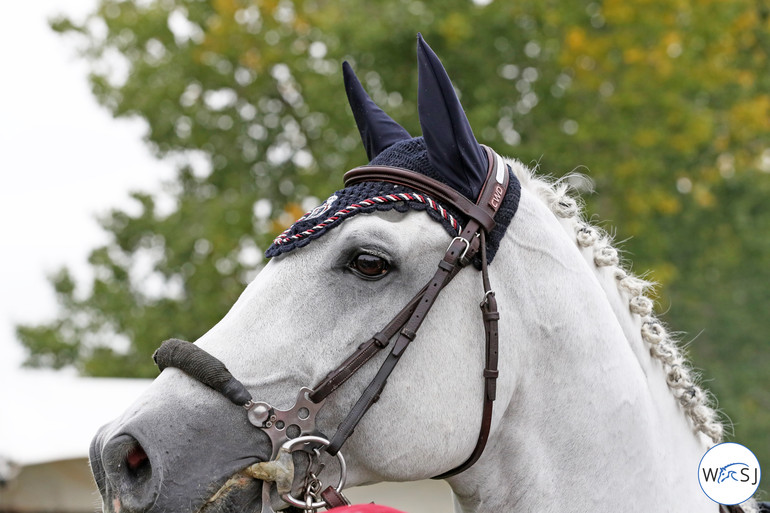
pixel 378 130
pixel 452 149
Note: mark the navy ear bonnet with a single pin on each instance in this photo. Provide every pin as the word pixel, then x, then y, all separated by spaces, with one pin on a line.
pixel 369 197
pixel 450 155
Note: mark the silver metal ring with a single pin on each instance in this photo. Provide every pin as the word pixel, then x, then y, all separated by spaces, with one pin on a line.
pixel 289 446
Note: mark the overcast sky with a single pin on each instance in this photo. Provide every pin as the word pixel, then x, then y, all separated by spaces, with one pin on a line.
pixel 63 160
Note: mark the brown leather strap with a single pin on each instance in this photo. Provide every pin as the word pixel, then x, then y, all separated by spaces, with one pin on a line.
pixel 333 498
pixel 490 316
pixel 364 353
pixel 460 252
pixel 491 196
pixel 444 273
pixel 423 184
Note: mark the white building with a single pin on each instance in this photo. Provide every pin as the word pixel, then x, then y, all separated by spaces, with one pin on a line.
pixel 47 421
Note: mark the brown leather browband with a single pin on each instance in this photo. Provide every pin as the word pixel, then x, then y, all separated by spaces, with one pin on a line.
pixel 437 190
pixel 406 323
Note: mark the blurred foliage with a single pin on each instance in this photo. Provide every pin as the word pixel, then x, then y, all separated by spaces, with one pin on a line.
pixel 665 103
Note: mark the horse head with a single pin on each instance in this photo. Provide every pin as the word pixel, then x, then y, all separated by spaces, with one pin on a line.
pixel 582 410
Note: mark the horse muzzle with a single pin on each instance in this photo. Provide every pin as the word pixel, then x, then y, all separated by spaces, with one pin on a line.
pixel 174 458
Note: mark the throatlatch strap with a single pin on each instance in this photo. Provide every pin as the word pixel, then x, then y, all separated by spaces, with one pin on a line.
pixel 490 316
pixel 491 196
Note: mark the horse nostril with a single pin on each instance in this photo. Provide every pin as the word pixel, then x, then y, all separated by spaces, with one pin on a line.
pixel 129 470
pixel 132 467
pixel 137 461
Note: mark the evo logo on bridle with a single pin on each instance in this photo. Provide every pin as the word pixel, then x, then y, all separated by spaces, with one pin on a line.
pixel 497 197
pixel 499 190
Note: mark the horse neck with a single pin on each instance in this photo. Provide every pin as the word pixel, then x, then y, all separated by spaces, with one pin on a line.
pixel 584 414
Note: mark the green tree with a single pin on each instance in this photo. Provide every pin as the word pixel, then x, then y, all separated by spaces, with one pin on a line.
pixel 666 104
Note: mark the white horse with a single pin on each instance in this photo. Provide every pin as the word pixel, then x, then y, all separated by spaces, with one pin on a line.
pixel 596 408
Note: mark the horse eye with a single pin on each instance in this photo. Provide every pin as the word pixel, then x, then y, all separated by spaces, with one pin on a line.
pixel 369 266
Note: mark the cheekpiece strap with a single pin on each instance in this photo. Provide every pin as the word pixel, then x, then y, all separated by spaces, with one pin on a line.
pixel 461 251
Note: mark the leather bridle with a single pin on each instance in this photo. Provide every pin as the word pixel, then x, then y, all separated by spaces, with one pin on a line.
pixel 460 253
pixel 286 426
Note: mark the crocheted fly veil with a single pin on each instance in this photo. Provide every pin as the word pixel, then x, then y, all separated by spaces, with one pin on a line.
pixel 447 152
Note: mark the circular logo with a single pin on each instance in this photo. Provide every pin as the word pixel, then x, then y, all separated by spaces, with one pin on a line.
pixel 729 473
pixel 322 208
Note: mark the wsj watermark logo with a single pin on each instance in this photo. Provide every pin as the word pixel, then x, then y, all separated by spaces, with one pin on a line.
pixel 729 473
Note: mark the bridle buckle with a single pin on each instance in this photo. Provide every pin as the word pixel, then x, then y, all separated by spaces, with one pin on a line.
pixel 485 300
pixel 462 256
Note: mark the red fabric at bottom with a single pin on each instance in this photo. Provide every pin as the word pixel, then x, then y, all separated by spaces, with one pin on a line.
pixel 365 508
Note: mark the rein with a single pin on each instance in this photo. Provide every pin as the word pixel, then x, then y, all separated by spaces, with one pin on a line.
pixel 295 429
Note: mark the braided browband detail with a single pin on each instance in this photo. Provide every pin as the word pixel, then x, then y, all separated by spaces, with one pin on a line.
pixel 417 181
pixel 284 238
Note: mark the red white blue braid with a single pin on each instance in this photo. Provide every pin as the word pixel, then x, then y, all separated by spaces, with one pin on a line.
pixel 283 238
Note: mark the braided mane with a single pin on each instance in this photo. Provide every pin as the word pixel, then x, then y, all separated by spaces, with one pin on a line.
pixel 680 377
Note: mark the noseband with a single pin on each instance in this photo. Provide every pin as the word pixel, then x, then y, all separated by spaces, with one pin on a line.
pixel 295 428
